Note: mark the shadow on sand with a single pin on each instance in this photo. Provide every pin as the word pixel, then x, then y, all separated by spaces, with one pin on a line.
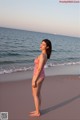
pixel 49 109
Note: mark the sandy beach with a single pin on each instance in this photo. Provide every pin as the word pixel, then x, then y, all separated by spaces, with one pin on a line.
pixel 60 98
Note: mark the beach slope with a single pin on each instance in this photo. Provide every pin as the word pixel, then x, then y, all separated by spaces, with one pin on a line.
pixel 60 98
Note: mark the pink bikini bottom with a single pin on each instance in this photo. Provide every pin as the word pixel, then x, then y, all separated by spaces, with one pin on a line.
pixel 42 74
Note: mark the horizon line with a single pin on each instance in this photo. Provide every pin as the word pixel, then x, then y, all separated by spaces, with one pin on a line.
pixel 38 31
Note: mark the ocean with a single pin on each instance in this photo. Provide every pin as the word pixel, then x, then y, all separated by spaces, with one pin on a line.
pixel 18 49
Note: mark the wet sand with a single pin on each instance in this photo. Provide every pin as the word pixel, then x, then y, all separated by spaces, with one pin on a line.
pixel 60 98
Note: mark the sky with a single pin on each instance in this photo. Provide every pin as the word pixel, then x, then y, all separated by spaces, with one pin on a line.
pixel 49 16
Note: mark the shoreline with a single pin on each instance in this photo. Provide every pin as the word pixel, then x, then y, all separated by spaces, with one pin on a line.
pixel 51 71
pixel 60 98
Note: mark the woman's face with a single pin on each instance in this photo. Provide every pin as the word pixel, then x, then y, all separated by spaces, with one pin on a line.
pixel 43 46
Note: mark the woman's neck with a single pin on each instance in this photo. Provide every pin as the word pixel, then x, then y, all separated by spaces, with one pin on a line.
pixel 44 52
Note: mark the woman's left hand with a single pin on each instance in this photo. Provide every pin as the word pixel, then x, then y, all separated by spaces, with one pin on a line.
pixel 34 84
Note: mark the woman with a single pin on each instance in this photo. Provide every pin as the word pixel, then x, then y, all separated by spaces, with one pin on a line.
pixel 39 75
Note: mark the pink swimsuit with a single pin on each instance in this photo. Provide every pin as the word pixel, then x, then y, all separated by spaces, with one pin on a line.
pixel 36 62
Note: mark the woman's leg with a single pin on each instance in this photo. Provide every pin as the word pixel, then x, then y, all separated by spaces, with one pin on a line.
pixel 39 82
pixel 37 97
pixel 39 103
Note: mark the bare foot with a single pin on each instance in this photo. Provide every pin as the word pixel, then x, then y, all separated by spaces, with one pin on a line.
pixel 35 114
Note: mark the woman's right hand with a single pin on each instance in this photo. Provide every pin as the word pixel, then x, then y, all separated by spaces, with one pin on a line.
pixel 34 84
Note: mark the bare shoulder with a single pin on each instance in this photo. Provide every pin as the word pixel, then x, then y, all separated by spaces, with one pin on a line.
pixel 43 57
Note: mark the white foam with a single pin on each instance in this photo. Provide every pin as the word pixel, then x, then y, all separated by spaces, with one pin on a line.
pixel 15 70
pixel 7 71
pixel 61 64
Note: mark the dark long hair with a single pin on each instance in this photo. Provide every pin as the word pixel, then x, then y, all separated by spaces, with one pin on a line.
pixel 49 47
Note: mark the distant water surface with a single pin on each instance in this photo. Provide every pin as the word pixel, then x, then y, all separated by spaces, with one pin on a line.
pixel 18 49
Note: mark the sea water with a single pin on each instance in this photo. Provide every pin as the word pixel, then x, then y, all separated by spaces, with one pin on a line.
pixel 19 48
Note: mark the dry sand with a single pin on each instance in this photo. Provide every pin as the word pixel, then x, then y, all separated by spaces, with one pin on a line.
pixel 60 98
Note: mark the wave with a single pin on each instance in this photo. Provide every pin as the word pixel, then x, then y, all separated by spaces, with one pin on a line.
pixel 7 62
pixel 15 61
pixel 32 51
pixel 13 54
pixel 61 64
pixel 15 70
pixel 22 69
pixel 18 53
pixel 9 54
